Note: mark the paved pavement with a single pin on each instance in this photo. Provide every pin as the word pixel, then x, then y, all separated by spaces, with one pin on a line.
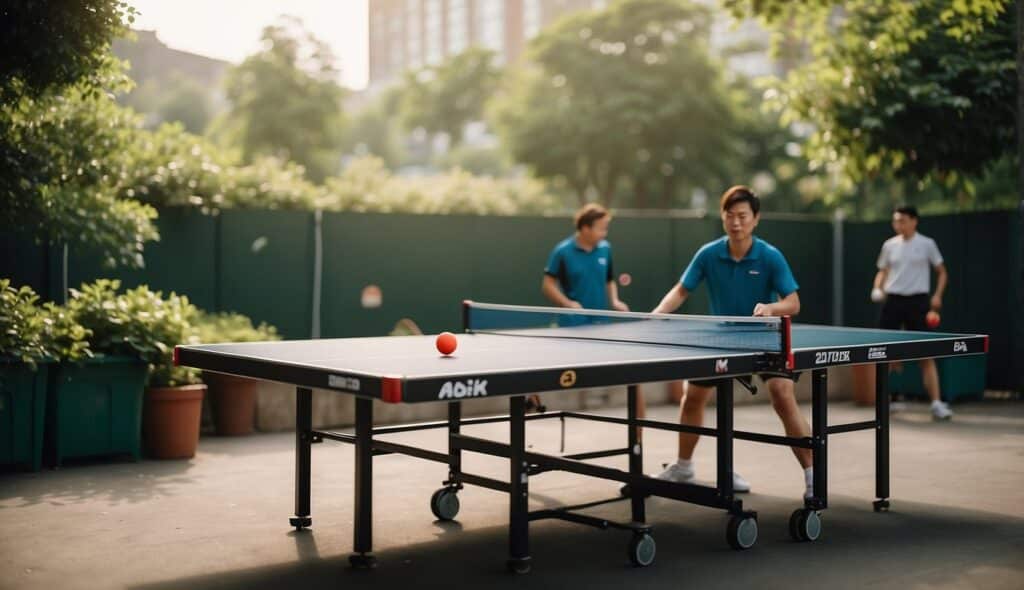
pixel 220 520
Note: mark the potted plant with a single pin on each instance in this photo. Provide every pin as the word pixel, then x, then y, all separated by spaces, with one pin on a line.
pixel 232 399
pixel 143 326
pixel 31 339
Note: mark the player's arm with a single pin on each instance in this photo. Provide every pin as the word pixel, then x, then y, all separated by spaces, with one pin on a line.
pixel 877 288
pixel 675 297
pixel 941 280
pixel 877 294
pixel 788 305
pixel 549 287
pixel 613 297
pixel 785 285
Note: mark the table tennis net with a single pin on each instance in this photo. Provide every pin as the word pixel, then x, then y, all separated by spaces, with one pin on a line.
pixel 716 332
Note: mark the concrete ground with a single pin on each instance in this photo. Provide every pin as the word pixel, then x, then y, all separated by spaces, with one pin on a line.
pixel 220 520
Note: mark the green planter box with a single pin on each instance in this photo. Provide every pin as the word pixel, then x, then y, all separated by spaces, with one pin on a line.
pixel 959 377
pixel 95 408
pixel 22 413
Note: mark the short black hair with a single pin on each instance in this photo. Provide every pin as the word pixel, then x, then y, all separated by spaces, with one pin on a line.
pixel 740 194
pixel 588 214
pixel 908 210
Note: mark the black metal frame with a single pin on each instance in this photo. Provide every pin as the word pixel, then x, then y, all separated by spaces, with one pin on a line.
pixel 524 464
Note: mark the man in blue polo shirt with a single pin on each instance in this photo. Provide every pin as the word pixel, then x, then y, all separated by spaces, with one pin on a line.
pixel 745 276
pixel 579 270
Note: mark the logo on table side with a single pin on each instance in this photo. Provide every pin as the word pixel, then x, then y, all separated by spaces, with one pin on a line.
pixel 567 378
pixel 339 382
pixel 959 346
pixel 722 366
pixel 831 356
pixel 461 389
pixel 876 353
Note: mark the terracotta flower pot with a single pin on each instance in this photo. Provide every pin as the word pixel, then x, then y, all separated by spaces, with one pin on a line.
pixel 232 403
pixel 170 421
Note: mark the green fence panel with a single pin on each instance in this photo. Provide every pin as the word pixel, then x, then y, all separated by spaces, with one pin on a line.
pixel 642 249
pixel 1015 301
pixel 266 268
pixel 861 244
pixel 807 246
pixel 27 263
pixel 509 254
pixel 422 264
pixel 986 277
pixel 182 261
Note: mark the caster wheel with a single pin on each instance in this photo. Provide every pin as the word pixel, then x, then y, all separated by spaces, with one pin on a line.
pixel 445 504
pixel 362 561
pixel 301 522
pixel 519 565
pixel 642 550
pixel 741 532
pixel 881 505
pixel 805 525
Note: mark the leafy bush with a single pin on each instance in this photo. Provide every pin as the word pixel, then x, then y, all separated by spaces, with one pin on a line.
pixel 367 186
pixel 232 327
pixel 31 333
pixel 67 339
pixel 22 326
pixel 138 322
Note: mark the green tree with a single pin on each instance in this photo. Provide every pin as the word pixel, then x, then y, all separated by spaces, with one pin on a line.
pixel 374 131
pixel 443 98
pixel 186 102
pixel 285 102
pixel 629 93
pixel 64 154
pixel 915 90
pixel 51 45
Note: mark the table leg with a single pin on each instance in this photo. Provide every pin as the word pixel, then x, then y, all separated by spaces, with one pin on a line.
pixel 882 437
pixel 519 518
pixel 636 455
pixel 303 439
pixel 362 556
pixel 723 405
pixel 819 433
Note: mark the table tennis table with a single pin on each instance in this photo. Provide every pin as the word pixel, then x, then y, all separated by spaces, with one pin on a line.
pixel 514 351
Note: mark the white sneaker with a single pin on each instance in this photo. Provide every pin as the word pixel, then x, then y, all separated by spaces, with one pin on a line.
pixel 678 474
pixel 941 411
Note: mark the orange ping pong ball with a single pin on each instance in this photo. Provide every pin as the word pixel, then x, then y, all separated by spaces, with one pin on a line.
pixel 446 343
pixel 932 319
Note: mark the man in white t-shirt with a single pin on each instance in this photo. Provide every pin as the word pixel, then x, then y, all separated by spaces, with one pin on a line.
pixel 903 282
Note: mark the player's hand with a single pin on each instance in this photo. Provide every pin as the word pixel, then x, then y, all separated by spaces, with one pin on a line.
pixel 877 295
pixel 619 305
pixel 574 304
pixel 936 303
pixel 763 310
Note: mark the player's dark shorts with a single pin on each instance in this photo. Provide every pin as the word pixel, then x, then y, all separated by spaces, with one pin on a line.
pixel 906 312
pixel 794 377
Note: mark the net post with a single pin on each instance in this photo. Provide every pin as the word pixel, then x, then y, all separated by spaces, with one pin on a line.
pixel 787 342
pixel 465 314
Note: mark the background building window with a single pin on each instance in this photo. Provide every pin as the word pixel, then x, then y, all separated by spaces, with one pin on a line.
pixel 490 16
pixel 414 38
pixel 458 26
pixel 531 18
pixel 433 32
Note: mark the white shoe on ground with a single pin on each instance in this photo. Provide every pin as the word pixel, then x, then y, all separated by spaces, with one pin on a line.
pixel 679 474
pixel 941 411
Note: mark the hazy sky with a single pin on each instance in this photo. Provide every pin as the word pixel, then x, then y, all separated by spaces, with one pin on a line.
pixel 230 29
